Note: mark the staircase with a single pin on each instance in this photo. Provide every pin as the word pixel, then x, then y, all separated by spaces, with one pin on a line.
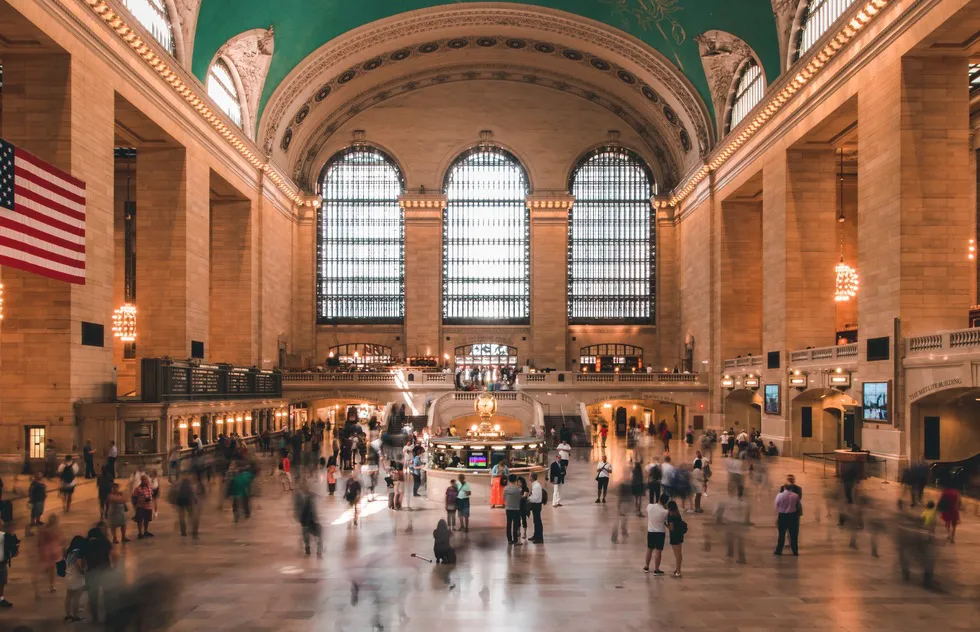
pixel 580 439
pixel 418 422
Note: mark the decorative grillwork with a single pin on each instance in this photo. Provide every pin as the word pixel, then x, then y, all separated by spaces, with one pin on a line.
pixel 611 357
pixel 818 17
pixel 361 240
pixel 486 240
pixel 751 88
pixel 611 240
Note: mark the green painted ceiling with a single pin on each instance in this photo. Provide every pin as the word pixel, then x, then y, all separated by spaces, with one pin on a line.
pixel 670 26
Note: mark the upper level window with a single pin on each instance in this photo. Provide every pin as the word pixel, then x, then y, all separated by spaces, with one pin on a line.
pixel 974 78
pixel 748 92
pixel 611 247
pixel 361 240
pixel 152 14
pixel 222 90
pixel 818 16
pixel 486 240
pixel 359 353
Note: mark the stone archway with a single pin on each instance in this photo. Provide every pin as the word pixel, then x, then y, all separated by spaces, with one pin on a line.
pixel 942 426
pixel 743 410
pixel 817 423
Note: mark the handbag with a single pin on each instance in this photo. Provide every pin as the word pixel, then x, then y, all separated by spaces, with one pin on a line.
pixel 61 567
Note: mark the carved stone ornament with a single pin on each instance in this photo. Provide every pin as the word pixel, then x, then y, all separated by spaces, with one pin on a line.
pixel 251 54
pixel 721 55
pixel 184 14
pixel 785 12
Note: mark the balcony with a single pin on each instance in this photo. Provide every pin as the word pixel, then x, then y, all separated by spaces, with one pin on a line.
pixel 748 362
pixel 388 380
pixel 839 356
pixel 945 343
pixel 567 380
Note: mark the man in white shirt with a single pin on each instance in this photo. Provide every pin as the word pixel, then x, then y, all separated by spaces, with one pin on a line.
pixel 656 534
pixel 535 500
pixel 564 452
pixel 724 443
pixel 666 475
pixel 603 470
pixel 67 472
pixel 111 460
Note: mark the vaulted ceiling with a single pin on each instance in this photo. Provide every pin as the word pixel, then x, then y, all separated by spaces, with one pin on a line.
pixel 669 26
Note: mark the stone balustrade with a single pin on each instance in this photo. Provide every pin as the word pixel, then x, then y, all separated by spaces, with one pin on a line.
pixel 956 341
pixel 746 362
pixel 838 354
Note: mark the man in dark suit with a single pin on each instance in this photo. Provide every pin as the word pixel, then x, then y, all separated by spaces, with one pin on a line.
pixel 557 478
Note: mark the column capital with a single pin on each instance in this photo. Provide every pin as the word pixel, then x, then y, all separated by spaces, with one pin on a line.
pixel 435 201
pixel 549 206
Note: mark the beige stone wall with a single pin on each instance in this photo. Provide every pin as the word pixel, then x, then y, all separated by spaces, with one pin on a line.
pixel 232 308
pixel 741 279
pixel 959 434
pixel 694 237
pixel 275 262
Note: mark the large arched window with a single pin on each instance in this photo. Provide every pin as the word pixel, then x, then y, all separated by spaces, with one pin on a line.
pixel 222 90
pixel 361 240
pixel 748 92
pixel 486 240
pixel 153 15
pixel 817 18
pixel 611 247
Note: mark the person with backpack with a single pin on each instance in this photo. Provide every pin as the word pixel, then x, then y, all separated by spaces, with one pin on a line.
pixel 67 472
pixel 188 505
pixel 452 493
pixel 678 529
pixel 74 578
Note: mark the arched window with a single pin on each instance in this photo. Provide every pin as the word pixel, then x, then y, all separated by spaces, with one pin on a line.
pixel 361 240
pixel 611 246
pixel 748 92
pixel 817 18
pixel 153 15
pixel 222 90
pixel 974 78
pixel 610 358
pixel 486 241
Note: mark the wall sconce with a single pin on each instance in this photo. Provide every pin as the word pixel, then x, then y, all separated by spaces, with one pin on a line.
pixel 752 382
pixel 196 423
pixel 219 421
pixel 972 250
pixel 239 418
pixel 248 416
pixel 727 382
pixel 797 380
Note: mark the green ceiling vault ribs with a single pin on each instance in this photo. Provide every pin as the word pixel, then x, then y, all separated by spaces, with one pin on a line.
pixel 669 26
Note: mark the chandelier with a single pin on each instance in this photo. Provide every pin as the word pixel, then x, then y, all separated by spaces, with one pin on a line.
pixel 846 285
pixel 124 323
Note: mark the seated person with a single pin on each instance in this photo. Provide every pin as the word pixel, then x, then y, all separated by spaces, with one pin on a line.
pixel 771 449
pixel 442 549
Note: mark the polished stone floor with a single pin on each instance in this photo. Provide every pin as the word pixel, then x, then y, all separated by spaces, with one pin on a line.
pixel 254 576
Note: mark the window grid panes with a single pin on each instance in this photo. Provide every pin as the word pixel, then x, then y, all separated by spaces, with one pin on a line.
pixel 748 93
pixel 36 441
pixel 486 240
pixel 361 240
pixel 611 247
pixel 974 78
pixel 818 17
pixel 486 354
pixel 152 14
pixel 361 353
pixel 221 89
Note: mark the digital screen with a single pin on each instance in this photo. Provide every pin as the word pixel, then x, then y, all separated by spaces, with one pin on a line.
pixel 771 399
pixel 876 401
pixel 477 459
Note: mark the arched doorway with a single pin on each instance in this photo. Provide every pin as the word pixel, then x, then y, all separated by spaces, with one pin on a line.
pixel 824 420
pixel 743 410
pixel 943 426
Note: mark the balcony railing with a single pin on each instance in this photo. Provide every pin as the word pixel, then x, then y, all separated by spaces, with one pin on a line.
pixel 563 379
pixel 959 340
pixel 824 355
pixel 746 362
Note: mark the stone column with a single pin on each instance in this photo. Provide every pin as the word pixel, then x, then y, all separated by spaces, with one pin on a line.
pixel 423 273
pixel 740 284
pixel 172 265
pixel 799 252
pixel 234 284
pixel 62 112
pixel 669 345
pixel 549 278
pixel 915 215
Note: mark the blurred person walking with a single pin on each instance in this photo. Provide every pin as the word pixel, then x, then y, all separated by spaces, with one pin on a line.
pixel 306 514
pixel 104 483
pixel 98 564
pixel 37 495
pixel 637 486
pixel 735 514
pixel 949 507
pixel 74 578
pixel 50 547
pixel 188 505
pixel 67 472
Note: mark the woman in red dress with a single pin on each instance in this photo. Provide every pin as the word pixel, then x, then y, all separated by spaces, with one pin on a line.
pixel 499 471
pixel 949 505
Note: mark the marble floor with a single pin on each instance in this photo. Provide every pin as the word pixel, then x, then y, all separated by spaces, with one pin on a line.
pixel 254 576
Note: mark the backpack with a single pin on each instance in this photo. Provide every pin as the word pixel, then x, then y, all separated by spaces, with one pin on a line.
pixel 11 547
pixel 68 473
pixel 706 470
pixel 451 495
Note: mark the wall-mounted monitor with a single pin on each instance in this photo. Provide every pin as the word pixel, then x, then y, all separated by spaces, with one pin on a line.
pixel 771 399
pixel 875 402
pixel 477 460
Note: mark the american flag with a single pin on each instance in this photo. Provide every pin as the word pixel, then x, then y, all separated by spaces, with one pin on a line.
pixel 42 217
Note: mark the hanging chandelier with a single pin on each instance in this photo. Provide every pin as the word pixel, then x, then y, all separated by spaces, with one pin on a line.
pixel 124 323
pixel 846 285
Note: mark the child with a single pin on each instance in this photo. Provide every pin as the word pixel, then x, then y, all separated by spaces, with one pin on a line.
pixel 332 475
pixel 929 517
pixel 284 477
pixel 451 494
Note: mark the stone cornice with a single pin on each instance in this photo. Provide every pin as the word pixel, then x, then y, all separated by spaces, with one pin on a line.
pixel 435 201
pixel 550 200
